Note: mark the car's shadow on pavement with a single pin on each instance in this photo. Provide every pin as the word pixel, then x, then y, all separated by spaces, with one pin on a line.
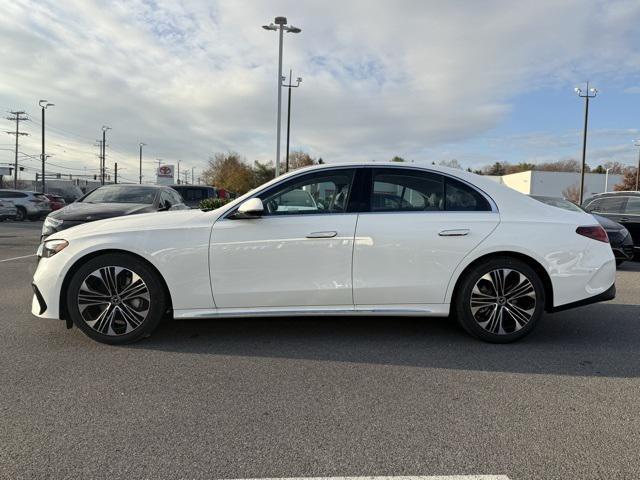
pixel 598 340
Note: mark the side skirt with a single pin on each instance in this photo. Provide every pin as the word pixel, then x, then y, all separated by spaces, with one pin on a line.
pixel 419 310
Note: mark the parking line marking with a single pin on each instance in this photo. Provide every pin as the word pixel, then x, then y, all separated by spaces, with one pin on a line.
pixel 419 477
pixel 17 258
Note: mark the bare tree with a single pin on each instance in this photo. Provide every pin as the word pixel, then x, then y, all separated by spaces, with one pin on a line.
pixel 628 181
pixel 572 193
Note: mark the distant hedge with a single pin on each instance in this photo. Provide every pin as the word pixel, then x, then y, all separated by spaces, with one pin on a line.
pixel 213 203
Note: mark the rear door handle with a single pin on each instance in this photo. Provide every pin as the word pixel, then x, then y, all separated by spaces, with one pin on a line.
pixel 624 219
pixel 461 232
pixel 328 234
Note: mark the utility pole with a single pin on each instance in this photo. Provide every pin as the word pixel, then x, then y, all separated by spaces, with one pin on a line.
pixel 179 172
pixel 280 26
pixel 192 170
pixel 141 145
pixel 289 86
pixel 43 105
pixel 104 150
pixel 116 173
pixel 17 116
pixel 589 93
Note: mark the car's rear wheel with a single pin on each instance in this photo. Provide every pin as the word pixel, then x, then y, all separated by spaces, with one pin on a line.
pixel 21 214
pixel 116 299
pixel 500 300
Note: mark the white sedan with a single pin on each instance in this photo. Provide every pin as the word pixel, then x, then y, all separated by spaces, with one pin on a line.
pixel 370 239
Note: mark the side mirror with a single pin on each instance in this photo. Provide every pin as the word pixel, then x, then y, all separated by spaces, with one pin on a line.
pixel 252 208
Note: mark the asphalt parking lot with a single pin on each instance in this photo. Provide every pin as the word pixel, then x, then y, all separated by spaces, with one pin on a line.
pixel 317 397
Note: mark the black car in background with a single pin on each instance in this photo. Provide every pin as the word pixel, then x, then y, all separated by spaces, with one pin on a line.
pixel 113 201
pixel 194 194
pixel 619 237
pixel 621 207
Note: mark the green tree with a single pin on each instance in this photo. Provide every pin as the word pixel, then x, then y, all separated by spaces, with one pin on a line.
pixel 398 159
pixel 262 173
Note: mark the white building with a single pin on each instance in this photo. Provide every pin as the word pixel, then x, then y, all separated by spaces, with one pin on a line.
pixel 553 184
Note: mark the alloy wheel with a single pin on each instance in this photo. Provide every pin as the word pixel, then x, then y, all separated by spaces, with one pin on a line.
pixel 503 301
pixel 113 300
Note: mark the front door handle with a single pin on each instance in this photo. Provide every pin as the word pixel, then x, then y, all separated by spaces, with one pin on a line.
pixel 624 219
pixel 328 234
pixel 461 232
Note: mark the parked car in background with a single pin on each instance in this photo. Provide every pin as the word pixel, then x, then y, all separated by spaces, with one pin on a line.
pixel 7 210
pixel 113 201
pixel 621 207
pixel 460 244
pixel 29 205
pixel 619 237
pixel 194 194
pixel 56 202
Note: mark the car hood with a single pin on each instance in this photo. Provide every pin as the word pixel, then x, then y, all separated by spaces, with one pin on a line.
pixel 147 221
pixel 88 212
pixel 607 223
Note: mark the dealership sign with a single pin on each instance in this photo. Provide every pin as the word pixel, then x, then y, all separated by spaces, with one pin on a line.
pixel 165 171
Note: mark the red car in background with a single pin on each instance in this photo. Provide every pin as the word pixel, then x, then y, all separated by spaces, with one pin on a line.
pixel 56 202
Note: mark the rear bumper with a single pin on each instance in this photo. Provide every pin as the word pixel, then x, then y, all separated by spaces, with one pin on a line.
pixel 607 295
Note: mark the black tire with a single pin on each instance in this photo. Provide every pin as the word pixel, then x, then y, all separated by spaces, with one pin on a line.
pixel 21 214
pixel 153 307
pixel 503 327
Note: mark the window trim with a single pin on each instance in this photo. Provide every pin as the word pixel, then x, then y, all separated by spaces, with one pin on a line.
pixel 364 171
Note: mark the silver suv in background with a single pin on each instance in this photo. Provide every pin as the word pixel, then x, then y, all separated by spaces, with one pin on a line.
pixel 29 205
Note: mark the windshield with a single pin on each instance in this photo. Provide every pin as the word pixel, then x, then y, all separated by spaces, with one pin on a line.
pixel 121 194
pixel 559 202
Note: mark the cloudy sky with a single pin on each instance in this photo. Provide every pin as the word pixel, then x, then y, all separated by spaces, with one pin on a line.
pixel 428 80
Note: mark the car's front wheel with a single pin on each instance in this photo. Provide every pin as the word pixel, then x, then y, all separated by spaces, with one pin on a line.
pixel 116 299
pixel 500 300
pixel 21 214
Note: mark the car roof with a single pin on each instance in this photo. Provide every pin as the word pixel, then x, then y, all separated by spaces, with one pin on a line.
pixel 627 193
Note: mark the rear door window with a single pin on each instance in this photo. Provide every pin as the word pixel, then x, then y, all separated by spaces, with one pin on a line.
pixel 633 206
pixel 611 205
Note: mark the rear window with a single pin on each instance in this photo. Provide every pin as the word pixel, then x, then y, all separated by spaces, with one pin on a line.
pixel 462 198
pixel 633 206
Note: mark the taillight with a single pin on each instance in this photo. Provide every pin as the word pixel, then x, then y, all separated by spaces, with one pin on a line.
pixel 596 232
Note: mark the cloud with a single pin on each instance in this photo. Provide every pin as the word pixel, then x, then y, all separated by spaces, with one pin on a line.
pixel 380 78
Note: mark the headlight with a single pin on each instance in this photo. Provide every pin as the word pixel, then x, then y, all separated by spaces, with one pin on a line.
pixel 49 248
pixel 50 225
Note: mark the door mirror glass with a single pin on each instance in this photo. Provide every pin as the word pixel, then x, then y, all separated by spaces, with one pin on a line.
pixel 250 209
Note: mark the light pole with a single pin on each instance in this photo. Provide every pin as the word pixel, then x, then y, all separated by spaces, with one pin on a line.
pixel 104 151
pixel 179 172
pixel 637 144
pixel 43 105
pixel 141 145
pixel 606 180
pixel 280 25
pixel 587 94
pixel 289 86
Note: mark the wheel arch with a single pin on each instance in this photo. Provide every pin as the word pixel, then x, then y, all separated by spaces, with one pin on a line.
pixel 532 262
pixel 64 315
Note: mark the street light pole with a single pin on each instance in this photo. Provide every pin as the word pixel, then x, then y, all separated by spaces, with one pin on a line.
pixel 178 172
pixel 637 144
pixel 141 145
pixel 606 180
pixel 289 86
pixel 280 25
pixel 587 94
pixel 43 105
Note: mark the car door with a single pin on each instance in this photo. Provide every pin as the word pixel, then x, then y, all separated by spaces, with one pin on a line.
pixel 631 219
pixel 420 226
pixel 297 254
